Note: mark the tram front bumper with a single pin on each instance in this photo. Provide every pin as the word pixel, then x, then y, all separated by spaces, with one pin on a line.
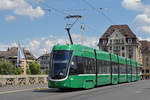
pixel 58 84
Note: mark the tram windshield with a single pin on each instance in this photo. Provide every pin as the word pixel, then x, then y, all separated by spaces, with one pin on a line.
pixel 59 63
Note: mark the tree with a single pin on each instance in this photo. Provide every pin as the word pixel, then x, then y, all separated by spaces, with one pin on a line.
pixel 34 68
pixel 18 71
pixel 28 71
pixel 46 71
pixel 6 68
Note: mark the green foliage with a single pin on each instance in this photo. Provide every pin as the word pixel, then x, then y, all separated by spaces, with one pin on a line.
pixel 6 68
pixel 28 71
pixel 18 71
pixel 46 72
pixel 34 68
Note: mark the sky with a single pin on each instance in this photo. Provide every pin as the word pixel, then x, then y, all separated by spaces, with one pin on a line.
pixel 40 24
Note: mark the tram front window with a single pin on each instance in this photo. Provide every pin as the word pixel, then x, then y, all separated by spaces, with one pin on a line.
pixel 60 63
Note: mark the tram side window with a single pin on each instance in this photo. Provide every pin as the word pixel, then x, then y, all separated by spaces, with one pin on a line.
pixel 134 70
pixel 114 68
pixel 80 65
pixel 122 68
pixel 76 66
pixel 107 66
pixel 103 67
pixel 99 66
pixel 138 70
pixel 129 69
pixel 89 66
pixel 93 67
pixel 73 66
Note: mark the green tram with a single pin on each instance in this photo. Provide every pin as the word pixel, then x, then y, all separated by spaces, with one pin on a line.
pixel 78 66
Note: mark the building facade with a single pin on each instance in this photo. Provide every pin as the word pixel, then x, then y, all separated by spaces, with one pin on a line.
pixel 120 40
pixel 44 62
pixel 145 48
pixel 11 55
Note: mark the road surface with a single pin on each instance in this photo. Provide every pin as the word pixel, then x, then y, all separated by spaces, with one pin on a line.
pixel 128 91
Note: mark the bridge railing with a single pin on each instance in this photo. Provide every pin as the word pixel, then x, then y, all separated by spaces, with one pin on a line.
pixel 22 79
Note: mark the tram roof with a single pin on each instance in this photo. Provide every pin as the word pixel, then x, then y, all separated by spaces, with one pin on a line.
pixel 71 47
pixel 89 52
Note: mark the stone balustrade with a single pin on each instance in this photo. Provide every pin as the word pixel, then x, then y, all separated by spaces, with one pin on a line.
pixel 22 79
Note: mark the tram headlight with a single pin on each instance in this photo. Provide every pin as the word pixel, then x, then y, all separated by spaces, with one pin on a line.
pixel 64 84
pixel 72 63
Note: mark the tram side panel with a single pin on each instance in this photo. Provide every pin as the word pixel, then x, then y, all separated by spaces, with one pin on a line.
pixel 114 64
pixel 129 71
pixel 122 70
pixel 103 68
pixel 85 73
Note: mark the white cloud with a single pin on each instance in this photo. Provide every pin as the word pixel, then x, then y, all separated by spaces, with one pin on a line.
pixel 6 4
pixel 44 44
pixel 4 47
pixel 142 21
pixel 140 38
pixel 21 7
pixel 10 18
pixel 133 5
pixel 143 29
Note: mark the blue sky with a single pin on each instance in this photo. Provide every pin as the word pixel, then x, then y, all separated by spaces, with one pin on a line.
pixel 39 29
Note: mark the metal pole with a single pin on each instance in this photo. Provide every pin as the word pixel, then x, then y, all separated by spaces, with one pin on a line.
pixel 68 31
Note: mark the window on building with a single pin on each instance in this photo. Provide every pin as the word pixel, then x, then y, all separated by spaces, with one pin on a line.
pixel 123 54
pixel 147 71
pixel 104 41
pixel 129 40
pixel 121 41
pixel 147 59
pixel 117 41
pixel 130 55
pixel 110 41
pixel 142 71
pixel 110 48
pixel 122 48
pixel 105 49
pixel 114 41
pixel 130 52
pixel 130 49
pixel 118 54
pixel 116 48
